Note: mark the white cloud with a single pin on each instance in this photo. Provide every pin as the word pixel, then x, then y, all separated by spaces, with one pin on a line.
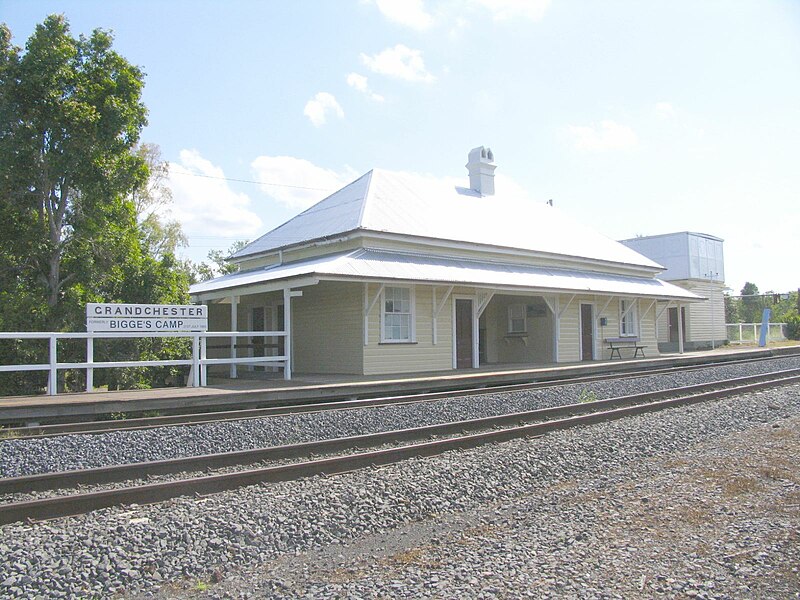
pixel 320 106
pixel 411 13
pixel 300 183
pixel 206 206
pixel 665 110
pixel 401 62
pixel 608 136
pixel 503 10
pixel 359 82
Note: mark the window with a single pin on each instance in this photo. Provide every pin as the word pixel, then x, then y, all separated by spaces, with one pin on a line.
pixel 627 322
pixel 517 321
pixel 398 315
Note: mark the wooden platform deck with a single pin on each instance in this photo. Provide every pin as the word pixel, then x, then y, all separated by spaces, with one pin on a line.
pixel 238 393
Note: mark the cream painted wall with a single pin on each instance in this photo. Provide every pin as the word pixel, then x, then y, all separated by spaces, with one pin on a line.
pixel 327 329
pixel 422 355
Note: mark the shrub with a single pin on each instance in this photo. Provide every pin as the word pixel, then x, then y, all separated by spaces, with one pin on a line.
pixel 793 325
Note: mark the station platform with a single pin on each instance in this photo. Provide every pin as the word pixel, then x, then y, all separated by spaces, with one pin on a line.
pixel 228 394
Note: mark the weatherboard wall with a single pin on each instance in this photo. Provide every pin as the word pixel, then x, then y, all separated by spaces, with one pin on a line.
pixel 327 329
pixel 421 354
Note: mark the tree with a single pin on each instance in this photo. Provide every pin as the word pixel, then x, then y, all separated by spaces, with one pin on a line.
pixel 79 201
pixel 731 309
pixel 71 114
pixel 161 235
pixel 752 304
pixel 219 263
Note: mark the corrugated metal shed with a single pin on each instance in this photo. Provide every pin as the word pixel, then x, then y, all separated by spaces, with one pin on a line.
pixel 380 265
pixel 425 207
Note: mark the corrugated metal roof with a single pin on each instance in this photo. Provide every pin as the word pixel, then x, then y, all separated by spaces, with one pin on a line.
pixel 365 264
pixel 413 205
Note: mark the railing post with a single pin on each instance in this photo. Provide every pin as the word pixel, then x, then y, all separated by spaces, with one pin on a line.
pixel 89 361
pixel 195 379
pixel 203 366
pixel 740 333
pixel 52 381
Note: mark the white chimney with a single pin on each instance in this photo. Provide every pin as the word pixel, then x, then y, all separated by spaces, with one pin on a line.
pixel 481 170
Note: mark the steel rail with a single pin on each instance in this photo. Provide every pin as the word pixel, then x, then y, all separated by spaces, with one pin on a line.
pixel 140 470
pixel 142 423
pixel 156 492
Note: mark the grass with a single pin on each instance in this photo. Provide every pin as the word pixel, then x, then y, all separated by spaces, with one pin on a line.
pixel 8 433
pixel 587 396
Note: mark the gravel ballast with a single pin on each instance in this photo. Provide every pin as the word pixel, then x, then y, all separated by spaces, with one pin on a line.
pixel 546 516
pixel 70 452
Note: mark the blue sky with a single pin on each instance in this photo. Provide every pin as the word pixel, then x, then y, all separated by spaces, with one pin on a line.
pixel 634 117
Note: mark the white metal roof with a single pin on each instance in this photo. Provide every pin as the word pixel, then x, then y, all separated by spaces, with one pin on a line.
pixel 366 264
pixel 419 206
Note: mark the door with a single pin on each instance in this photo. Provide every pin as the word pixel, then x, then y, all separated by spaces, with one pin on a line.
pixel 587 332
pixel 464 334
pixel 673 324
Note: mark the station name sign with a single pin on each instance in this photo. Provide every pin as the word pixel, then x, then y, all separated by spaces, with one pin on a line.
pixel 105 317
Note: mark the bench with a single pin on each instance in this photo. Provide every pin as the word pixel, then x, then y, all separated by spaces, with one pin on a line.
pixel 617 344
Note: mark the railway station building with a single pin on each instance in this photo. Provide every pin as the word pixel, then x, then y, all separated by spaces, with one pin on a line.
pixel 396 273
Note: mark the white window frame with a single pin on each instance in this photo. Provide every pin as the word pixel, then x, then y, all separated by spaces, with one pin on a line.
pixel 412 327
pixel 632 318
pixel 511 319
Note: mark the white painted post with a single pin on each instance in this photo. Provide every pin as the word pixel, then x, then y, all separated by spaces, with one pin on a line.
pixel 366 313
pixel 287 329
pixel 475 335
pixel 195 379
pixel 52 380
pixel 203 366
pixel 680 329
pixel 89 360
pixel 557 319
pixel 433 319
pixel 740 333
pixel 234 327
pixel 755 332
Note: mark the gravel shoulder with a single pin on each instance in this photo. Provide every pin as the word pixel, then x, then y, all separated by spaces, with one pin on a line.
pixel 720 519
pixel 696 501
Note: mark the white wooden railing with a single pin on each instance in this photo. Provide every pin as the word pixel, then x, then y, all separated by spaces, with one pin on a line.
pixel 743 333
pixel 198 363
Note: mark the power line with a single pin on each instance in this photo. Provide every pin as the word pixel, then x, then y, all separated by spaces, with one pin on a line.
pixel 297 187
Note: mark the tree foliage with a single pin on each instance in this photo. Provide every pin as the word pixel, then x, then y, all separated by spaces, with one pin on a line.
pixel 752 305
pixel 73 189
pixel 218 263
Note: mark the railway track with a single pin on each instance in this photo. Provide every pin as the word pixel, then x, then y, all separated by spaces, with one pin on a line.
pixel 462 434
pixel 141 423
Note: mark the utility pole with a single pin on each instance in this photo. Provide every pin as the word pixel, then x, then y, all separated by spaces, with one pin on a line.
pixel 710 277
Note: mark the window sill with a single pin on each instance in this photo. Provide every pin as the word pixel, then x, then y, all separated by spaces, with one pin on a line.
pixel 517 334
pixel 397 343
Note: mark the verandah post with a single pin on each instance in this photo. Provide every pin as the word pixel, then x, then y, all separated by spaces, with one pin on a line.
pixel 287 330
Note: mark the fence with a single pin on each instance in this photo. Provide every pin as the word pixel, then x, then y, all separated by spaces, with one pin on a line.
pixel 198 363
pixel 745 333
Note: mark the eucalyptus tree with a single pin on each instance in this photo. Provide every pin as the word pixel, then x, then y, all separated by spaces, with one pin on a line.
pixel 70 115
